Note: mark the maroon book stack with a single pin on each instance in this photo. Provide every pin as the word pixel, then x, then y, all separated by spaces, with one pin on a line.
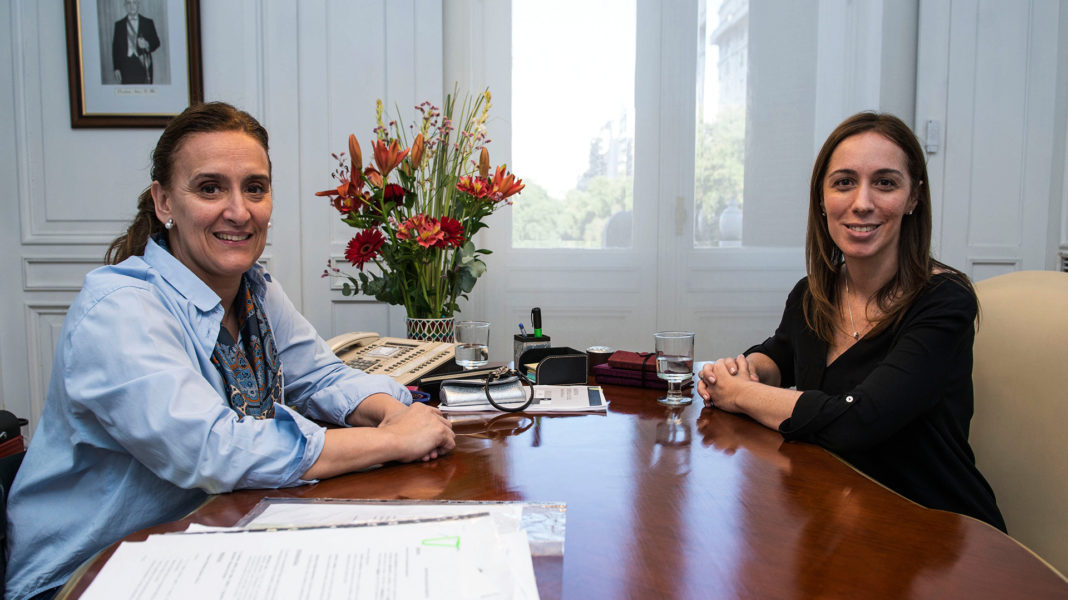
pixel 636 369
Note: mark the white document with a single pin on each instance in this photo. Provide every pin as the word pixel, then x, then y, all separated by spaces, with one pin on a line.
pixel 550 399
pixel 461 557
pixel 544 523
pixel 505 516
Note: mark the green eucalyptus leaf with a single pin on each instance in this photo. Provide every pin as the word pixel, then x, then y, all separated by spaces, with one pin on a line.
pixel 465 281
pixel 477 268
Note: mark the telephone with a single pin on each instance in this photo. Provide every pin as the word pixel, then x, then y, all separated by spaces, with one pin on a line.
pixel 403 360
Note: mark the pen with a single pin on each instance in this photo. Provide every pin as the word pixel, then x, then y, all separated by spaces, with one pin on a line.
pixel 535 320
pixel 522 330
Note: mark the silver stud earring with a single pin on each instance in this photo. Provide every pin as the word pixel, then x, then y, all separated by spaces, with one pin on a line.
pixel 910 212
pixel 169 224
pixel 270 224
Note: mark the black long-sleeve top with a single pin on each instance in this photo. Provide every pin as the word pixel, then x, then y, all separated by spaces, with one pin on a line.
pixel 897 405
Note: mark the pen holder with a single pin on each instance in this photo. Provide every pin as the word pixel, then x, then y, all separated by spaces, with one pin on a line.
pixel 522 343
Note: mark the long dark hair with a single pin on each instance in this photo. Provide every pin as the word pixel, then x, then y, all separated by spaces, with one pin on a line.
pixel 824 259
pixel 199 118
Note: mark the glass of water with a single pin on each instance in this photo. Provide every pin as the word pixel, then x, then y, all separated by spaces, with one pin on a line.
pixel 472 344
pixel 674 364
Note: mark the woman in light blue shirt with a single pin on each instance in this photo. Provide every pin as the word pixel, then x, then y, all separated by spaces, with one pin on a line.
pixel 183 370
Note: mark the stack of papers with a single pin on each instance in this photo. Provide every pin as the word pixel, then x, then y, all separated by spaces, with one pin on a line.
pixel 543 523
pixel 309 549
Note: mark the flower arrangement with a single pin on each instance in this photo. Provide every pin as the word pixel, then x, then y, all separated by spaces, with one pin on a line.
pixel 418 206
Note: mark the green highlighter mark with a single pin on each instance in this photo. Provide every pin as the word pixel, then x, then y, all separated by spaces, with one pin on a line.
pixel 448 541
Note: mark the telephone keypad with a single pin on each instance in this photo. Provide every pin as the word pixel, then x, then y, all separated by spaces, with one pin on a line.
pixel 362 364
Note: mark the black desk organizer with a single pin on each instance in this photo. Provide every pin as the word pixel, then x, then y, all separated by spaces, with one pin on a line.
pixel 556 366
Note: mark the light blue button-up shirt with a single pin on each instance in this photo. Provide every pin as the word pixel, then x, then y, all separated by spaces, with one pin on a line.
pixel 136 429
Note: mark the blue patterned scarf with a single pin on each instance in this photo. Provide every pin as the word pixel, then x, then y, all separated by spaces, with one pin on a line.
pixel 249 366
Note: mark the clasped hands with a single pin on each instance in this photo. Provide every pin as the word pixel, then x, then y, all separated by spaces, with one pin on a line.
pixel 722 382
pixel 418 432
pixel 427 434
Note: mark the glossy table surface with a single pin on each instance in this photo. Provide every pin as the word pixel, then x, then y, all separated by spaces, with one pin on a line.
pixel 695 503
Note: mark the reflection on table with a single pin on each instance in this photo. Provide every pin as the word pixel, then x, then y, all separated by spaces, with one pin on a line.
pixel 692 503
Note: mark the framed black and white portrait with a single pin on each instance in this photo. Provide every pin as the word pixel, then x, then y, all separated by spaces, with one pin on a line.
pixel 132 63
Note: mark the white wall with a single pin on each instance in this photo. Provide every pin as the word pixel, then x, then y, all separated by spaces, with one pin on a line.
pixel 991 79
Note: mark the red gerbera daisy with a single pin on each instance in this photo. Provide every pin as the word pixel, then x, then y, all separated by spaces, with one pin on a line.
pixel 394 193
pixel 453 230
pixel 364 247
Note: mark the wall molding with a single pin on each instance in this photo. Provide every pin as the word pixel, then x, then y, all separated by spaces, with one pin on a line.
pixel 56 274
pixel 984 267
pixel 43 323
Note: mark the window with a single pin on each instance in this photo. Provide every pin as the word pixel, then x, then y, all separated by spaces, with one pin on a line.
pixel 573 122
pixel 722 65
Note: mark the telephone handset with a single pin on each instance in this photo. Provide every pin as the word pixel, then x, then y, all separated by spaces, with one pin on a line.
pixel 353 339
pixel 402 359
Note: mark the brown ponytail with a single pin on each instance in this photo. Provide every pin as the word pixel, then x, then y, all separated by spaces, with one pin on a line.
pixel 144 225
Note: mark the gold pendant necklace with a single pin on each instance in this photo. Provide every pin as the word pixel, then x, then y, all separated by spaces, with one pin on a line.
pixel 849 305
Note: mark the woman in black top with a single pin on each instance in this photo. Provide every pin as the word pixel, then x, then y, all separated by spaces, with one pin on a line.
pixel 877 340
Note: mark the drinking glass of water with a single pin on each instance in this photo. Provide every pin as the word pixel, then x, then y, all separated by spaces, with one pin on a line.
pixel 674 364
pixel 472 344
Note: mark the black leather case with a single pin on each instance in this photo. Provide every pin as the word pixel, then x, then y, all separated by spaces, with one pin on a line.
pixel 556 366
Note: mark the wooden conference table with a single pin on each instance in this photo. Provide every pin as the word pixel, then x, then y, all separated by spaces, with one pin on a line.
pixel 709 505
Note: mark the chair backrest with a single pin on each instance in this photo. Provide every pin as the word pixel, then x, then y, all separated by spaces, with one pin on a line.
pixel 1021 396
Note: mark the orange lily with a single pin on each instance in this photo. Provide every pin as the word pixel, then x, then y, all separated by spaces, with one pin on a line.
pixel 505 185
pixel 346 197
pixel 483 163
pixel 347 204
pixel 416 157
pixel 373 177
pixel 355 154
pixel 388 157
